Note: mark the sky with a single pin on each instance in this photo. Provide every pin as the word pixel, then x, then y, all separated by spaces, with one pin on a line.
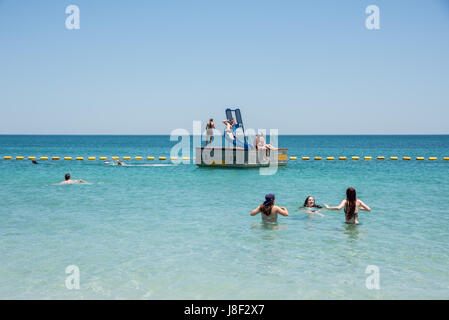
pixel 149 67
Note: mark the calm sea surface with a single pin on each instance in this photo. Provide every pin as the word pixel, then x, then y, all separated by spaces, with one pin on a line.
pixel 183 232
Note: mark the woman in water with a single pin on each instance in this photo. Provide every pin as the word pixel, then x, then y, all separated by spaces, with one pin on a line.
pixel 310 203
pixel 269 211
pixel 210 126
pixel 351 205
pixel 310 206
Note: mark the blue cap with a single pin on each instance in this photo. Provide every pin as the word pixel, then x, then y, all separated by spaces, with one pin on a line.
pixel 268 198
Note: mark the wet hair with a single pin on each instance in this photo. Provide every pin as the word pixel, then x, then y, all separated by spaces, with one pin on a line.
pixel 266 208
pixel 351 200
pixel 314 203
pixel 67 176
pixel 307 199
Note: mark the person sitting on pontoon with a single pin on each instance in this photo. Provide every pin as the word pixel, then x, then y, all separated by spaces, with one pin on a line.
pixel 259 143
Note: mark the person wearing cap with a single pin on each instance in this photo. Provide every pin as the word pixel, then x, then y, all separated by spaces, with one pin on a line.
pixel 269 211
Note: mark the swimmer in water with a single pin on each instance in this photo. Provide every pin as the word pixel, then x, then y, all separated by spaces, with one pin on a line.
pixel 34 162
pixel 269 211
pixel 351 205
pixel 68 180
pixel 310 205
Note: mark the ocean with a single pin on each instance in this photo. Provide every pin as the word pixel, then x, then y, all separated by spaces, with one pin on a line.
pixel 166 231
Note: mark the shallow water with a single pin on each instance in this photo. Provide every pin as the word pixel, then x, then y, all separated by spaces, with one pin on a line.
pixel 183 232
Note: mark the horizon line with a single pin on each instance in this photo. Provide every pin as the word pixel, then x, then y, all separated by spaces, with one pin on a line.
pixel 164 134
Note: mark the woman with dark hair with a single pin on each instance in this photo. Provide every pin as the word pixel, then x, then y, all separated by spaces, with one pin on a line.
pixel 269 211
pixel 352 205
pixel 310 203
pixel 310 206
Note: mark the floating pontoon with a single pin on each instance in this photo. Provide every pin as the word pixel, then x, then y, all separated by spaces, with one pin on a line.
pixel 240 154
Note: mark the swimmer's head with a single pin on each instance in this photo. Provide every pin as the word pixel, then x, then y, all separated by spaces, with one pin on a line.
pixel 211 119
pixel 268 204
pixel 269 199
pixel 34 162
pixel 351 194
pixel 309 202
pixel 67 176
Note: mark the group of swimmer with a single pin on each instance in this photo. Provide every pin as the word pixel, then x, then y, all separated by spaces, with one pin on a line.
pixel 259 141
pixel 351 205
pixel 69 180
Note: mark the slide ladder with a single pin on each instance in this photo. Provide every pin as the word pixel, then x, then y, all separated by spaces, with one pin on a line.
pixel 239 124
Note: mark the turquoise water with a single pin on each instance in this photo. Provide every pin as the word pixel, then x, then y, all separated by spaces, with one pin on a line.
pixel 182 232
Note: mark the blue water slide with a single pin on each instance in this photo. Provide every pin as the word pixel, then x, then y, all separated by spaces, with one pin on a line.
pixel 237 143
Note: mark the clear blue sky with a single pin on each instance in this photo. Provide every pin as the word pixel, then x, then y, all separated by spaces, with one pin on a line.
pixel 147 67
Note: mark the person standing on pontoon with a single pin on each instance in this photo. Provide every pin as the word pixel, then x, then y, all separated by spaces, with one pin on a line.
pixel 210 126
pixel 229 125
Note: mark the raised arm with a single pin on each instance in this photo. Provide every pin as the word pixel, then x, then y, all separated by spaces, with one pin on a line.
pixel 342 204
pixel 255 211
pixel 283 211
pixel 363 206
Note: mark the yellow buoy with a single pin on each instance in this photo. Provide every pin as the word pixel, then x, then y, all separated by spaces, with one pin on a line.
pixel 67 158
pixel 446 158
pixel 173 158
pixel 19 158
pixel 126 158
pixel 317 158
pixel 355 158
pixel 394 158
pixel 150 158
pixel 103 158
pixel 368 158
pixel 7 157
pixel 420 158
pixel 293 158
pixel 305 158
pixel 115 158
pixel 381 158
pixel 406 158
pixel 92 158
pixel 31 158
pixel 433 158
pixel 342 158
pixel 185 158
pixel 330 158
pixel 138 158
pixel 43 158
pixel 162 158
pixel 55 158
pixel 79 158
